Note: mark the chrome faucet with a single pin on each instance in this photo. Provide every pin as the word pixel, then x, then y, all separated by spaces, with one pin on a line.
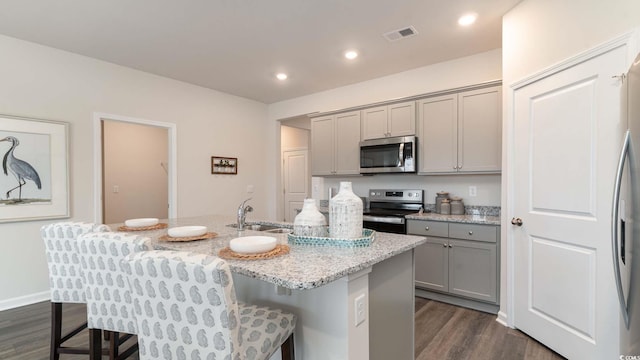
pixel 242 213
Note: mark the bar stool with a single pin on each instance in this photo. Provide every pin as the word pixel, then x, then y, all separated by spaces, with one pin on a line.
pixel 60 240
pixel 186 308
pixel 109 303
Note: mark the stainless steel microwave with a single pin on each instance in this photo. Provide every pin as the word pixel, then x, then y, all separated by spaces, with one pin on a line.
pixel 388 155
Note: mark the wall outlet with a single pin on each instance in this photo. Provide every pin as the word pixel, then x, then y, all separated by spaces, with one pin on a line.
pixel 249 189
pixel 116 189
pixel 473 191
pixel 360 308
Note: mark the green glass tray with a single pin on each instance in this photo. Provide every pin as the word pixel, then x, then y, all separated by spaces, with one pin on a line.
pixel 367 238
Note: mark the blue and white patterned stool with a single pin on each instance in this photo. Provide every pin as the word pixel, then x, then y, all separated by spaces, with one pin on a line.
pixel 109 302
pixel 186 308
pixel 60 240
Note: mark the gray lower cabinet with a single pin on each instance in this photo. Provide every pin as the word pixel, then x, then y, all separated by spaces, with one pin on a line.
pixel 457 259
pixel 432 264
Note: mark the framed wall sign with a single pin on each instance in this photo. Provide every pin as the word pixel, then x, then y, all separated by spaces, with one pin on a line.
pixel 224 165
pixel 34 180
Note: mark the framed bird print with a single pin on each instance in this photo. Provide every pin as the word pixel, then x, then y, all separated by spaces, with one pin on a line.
pixel 34 175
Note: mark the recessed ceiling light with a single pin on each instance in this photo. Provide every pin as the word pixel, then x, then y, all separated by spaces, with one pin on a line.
pixel 281 76
pixel 467 19
pixel 351 54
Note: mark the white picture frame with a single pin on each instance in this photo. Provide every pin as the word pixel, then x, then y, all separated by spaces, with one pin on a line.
pixel 34 173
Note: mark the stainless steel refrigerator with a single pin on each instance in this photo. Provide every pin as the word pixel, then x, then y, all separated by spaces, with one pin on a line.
pixel 626 217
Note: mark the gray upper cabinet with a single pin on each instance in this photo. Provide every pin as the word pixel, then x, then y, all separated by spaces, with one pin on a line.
pixel 461 132
pixel 390 120
pixel 335 144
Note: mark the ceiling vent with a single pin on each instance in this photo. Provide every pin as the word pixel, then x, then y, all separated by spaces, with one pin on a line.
pixel 400 34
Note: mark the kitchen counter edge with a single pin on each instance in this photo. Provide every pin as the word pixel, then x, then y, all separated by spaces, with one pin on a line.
pixel 465 219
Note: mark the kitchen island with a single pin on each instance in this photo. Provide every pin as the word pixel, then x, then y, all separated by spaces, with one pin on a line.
pixel 352 303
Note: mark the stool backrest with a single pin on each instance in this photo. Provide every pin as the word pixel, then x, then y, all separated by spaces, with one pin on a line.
pixel 185 306
pixel 109 302
pixel 60 240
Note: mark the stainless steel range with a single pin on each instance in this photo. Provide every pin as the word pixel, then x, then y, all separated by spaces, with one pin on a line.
pixel 387 208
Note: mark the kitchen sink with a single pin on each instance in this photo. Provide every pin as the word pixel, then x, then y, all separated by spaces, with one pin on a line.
pixel 279 231
pixel 265 227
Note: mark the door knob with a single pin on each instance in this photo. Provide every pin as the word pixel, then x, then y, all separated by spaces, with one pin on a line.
pixel 516 221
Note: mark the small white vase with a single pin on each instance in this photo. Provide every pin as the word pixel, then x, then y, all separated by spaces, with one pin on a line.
pixel 345 213
pixel 310 221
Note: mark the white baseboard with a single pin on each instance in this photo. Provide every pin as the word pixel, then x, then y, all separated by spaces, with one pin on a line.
pixel 502 318
pixel 24 300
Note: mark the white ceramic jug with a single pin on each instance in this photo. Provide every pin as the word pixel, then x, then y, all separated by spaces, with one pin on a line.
pixel 310 221
pixel 345 213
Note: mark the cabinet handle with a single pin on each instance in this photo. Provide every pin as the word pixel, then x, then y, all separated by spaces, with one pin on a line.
pixel 450 246
pixel 455 167
pixel 426 228
pixel 444 245
pixel 470 232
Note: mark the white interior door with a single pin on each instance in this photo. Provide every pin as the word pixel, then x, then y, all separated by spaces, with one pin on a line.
pixel 566 138
pixel 296 181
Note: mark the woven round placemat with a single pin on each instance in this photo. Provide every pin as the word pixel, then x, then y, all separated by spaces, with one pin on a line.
pixel 229 254
pixel 208 235
pixel 143 228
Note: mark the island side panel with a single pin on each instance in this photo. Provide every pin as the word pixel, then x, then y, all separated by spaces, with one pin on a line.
pixel 325 328
pixel 391 308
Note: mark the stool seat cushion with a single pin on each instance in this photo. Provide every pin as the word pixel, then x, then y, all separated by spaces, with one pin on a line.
pixel 263 329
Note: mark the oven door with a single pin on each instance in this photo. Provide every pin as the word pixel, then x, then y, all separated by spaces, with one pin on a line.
pixel 389 224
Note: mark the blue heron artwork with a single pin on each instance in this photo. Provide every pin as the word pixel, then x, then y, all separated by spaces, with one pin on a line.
pixel 21 163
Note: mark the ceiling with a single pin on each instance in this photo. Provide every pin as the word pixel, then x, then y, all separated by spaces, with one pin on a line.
pixel 237 46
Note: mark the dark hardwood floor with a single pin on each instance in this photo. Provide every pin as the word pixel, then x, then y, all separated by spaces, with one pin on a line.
pixel 442 332
pixel 450 332
pixel 25 332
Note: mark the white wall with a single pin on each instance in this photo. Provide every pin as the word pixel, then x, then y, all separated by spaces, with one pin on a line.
pixel 294 138
pixel 488 186
pixel 540 33
pixel 47 83
pixel 446 75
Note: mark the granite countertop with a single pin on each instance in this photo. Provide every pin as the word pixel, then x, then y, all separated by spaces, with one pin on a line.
pixel 467 219
pixel 305 267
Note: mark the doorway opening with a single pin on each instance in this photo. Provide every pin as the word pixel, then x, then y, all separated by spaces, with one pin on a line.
pixel 295 135
pixel 134 169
